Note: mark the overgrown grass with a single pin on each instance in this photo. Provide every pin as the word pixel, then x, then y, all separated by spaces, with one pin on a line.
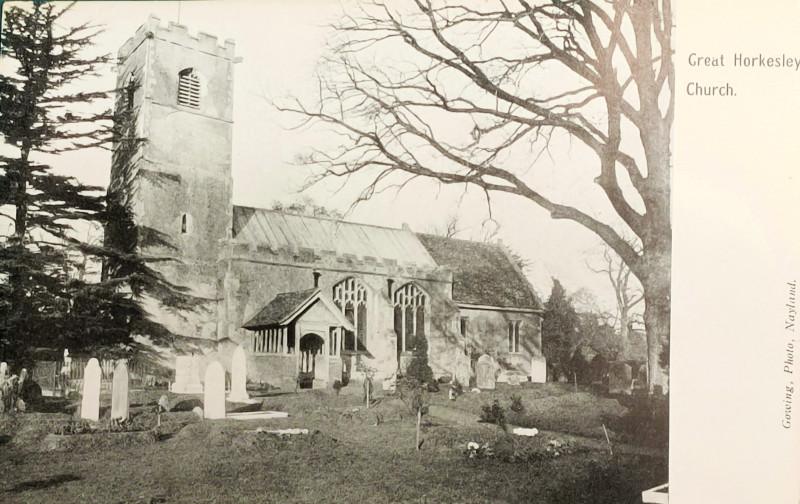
pixel 351 456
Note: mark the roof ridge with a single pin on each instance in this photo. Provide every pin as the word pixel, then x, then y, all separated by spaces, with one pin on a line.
pixel 330 219
pixel 491 244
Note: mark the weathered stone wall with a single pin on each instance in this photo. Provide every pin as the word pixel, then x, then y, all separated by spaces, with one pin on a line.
pixel 181 191
pixel 487 332
pixel 255 276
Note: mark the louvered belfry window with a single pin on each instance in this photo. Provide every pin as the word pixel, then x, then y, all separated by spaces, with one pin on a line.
pixel 189 88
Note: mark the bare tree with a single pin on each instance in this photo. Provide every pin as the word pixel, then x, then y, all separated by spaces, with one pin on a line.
pixel 475 94
pixel 626 290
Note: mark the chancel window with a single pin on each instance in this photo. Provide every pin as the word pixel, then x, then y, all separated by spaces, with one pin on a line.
pixel 350 296
pixel 409 316
pixel 513 336
pixel 189 88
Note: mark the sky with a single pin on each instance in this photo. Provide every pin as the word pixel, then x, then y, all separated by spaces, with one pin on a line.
pixel 281 44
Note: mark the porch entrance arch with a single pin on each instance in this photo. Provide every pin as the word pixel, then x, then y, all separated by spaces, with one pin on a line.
pixel 311 355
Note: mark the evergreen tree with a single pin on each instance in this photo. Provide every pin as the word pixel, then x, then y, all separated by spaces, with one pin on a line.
pixel 418 369
pixel 46 300
pixel 559 331
pixel 41 116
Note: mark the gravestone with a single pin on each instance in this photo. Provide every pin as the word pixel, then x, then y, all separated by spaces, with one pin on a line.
pixel 239 376
pixel 3 371
pixel 90 402
pixel 512 377
pixel 538 369
pixel 120 405
pixel 187 376
pixel 214 398
pixel 619 378
pixel 485 372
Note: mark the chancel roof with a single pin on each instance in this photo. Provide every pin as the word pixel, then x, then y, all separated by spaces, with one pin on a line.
pixel 483 273
pixel 279 230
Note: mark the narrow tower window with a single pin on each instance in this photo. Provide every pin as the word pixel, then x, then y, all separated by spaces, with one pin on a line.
pixel 189 88
pixel 186 224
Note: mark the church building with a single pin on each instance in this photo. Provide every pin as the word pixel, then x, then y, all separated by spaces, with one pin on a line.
pixel 309 299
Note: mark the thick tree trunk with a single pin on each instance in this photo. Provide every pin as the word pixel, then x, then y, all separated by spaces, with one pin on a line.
pixel 657 290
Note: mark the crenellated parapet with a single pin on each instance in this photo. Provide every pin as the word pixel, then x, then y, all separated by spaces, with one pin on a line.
pixel 178 34
pixel 240 251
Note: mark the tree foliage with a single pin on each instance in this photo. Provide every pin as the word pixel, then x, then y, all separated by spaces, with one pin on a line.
pixel 560 331
pixel 474 94
pixel 40 115
pixel 46 297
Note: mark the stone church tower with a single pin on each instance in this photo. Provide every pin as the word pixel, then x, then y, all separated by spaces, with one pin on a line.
pixel 181 188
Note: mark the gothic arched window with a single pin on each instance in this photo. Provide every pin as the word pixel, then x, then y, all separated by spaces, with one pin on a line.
pixel 409 316
pixel 350 296
pixel 189 88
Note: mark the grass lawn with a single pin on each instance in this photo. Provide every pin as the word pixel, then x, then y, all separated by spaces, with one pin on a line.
pixel 352 455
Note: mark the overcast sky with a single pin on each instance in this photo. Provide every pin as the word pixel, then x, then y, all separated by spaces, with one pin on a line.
pixel 281 43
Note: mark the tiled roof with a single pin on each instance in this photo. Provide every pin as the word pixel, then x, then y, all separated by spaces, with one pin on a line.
pixel 483 273
pixel 278 309
pixel 279 230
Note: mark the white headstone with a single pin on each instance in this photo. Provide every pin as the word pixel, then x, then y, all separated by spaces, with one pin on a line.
pixel 120 405
pixel 485 372
pixel 90 402
pixel 538 369
pixel 187 376
pixel 3 371
pixel 214 398
pixel 239 376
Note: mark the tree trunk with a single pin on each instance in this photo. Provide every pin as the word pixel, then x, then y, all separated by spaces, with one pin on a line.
pixel 657 316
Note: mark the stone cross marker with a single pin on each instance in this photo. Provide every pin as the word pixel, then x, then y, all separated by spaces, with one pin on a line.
pixel 187 376
pixel 239 376
pixel 619 378
pixel 90 402
pixel 485 373
pixel 120 405
pixel 214 398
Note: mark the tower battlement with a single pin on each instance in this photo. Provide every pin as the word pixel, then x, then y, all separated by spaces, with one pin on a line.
pixel 177 34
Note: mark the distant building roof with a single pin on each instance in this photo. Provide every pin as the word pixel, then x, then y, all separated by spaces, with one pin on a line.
pixel 483 273
pixel 293 232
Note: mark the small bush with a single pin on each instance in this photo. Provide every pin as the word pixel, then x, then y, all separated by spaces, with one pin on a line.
pixel 646 422
pixel 516 404
pixel 494 414
pixel 458 389
pixel 337 386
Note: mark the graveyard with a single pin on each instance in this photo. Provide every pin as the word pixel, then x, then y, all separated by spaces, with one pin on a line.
pixel 225 440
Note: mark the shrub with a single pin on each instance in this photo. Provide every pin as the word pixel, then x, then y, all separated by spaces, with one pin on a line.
pixel 494 414
pixel 337 386
pixel 646 421
pixel 419 369
pixel 516 404
pixel 458 389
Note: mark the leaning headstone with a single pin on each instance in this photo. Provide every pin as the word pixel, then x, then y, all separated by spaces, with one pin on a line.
pixel 187 376
pixel 120 405
pixel 90 403
pixel 538 369
pixel 214 398
pixel 485 373
pixel 239 376
pixel 619 378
